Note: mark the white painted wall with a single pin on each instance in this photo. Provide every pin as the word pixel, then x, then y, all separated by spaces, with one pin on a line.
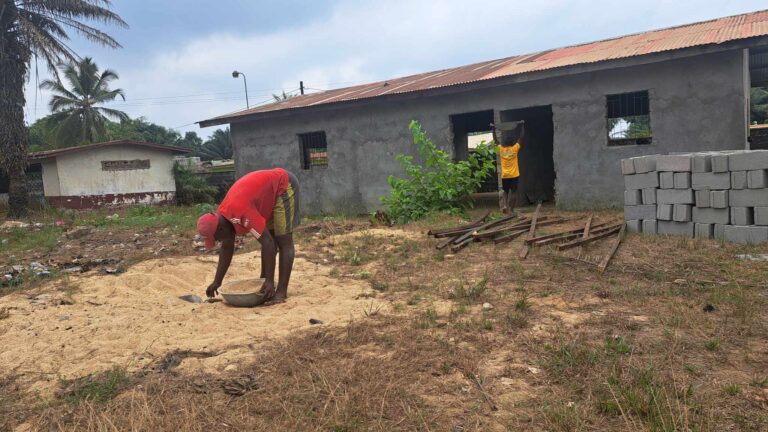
pixel 50 177
pixel 81 174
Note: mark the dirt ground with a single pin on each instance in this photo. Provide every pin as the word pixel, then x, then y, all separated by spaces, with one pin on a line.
pixel 673 336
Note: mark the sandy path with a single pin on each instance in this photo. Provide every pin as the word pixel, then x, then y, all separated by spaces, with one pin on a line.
pixel 133 318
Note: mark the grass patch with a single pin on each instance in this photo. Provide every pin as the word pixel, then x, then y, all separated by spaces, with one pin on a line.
pixel 22 239
pixel 617 345
pixel 731 389
pixel 98 388
pixel 712 344
pixel 471 292
pixel 378 285
pixel 427 319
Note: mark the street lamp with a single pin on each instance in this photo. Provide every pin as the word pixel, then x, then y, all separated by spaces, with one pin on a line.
pixel 236 74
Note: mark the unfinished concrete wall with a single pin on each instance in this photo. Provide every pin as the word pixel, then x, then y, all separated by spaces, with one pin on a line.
pixel 697 103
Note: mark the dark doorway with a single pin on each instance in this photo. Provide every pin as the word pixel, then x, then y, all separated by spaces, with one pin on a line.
pixel 469 129
pixel 537 166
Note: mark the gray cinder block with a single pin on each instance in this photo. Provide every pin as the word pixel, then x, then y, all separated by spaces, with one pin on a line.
pixel 682 180
pixel 711 215
pixel 664 212
pixel 681 213
pixel 633 197
pixel 739 180
pixel 703 198
pixel 676 228
pixel 704 230
pixel 742 215
pixel 718 199
pixel 649 196
pixel 715 181
pixel 746 234
pixel 642 181
pixel 639 212
pixel 675 163
pixel 627 166
pixel 757 179
pixel 748 198
pixel 667 180
pixel 720 163
pixel 644 164
pixel 720 232
pixel 761 215
pixel 675 196
pixel 649 226
pixel 748 160
pixel 635 226
pixel 702 163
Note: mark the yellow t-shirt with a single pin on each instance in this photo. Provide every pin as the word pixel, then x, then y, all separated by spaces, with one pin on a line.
pixel 508 155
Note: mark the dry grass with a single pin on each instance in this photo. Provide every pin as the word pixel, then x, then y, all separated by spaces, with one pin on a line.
pixel 671 337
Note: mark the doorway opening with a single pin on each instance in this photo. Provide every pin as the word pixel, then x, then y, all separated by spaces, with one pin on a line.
pixel 469 130
pixel 536 161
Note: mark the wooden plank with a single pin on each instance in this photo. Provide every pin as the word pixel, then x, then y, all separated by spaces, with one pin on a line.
pixel 568 233
pixel 571 236
pixel 587 227
pixel 608 232
pixel 445 243
pixel 487 225
pixel 509 237
pixel 604 263
pixel 437 233
pixel 526 247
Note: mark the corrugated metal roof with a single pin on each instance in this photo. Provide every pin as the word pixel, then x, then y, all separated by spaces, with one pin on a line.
pixel 67 150
pixel 703 33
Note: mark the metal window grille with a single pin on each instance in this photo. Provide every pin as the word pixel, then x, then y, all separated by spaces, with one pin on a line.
pixel 125 165
pixel 628 118
pixel 314 150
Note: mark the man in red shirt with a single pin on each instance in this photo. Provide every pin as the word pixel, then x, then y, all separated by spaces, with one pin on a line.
pixel 265 205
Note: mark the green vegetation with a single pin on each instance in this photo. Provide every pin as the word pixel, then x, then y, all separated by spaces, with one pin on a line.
pixel 100 388
pixel 758 108
pixel 190 188
pixel 712 344
pixel 24 239
pixel 473 292
pixel 439 185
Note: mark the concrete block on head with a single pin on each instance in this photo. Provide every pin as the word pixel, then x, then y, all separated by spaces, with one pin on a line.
pixel 675 196
pixel 720 232
pixel 718 199
pixel 703 198
pixel 675 162
pixel 664 212
pixel 757 179
pixel 742 215
pixel 649 226
pixel 675 228
pixel 644 164
pixel 649 196
pixel 701 163
pixel 704 230
pixel 639 212
pixel 714 181
pixel 746 234
pixel 681 212
pixel 635 226
pixel 682 180
pixel 748 198
pixel 627 166
pixel 720 163
pixel 633 197
pixel 641 181
pixel 667 180
pixel 748 160
pixel 739 180
pixel 711 215
pixel 761 215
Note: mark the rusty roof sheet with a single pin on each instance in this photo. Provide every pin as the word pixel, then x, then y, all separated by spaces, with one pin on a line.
pixel 716 31
pixel 67 150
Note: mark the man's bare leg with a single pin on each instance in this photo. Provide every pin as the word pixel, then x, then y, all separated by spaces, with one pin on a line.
pixel 263 274
pixel 287 254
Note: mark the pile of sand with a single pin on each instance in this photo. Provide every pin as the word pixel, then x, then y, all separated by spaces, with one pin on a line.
pixel 131 319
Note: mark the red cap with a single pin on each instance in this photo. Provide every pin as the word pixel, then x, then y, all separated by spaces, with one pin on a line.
pixel 207 225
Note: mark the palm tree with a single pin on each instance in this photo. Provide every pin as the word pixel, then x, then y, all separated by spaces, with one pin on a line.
pixel 40 28
pixel 218 146
pixel 76 118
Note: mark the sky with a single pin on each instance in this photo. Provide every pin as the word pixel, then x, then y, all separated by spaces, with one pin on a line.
pixel 177 59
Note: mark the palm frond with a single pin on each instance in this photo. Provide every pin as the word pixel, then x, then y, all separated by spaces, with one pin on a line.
pixel 108 96
pixel 113 113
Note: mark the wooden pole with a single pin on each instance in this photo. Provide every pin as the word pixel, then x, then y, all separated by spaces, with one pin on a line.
pixel 604 263
pixel 532 233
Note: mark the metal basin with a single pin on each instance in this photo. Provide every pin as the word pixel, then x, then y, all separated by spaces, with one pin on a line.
pixel 243 293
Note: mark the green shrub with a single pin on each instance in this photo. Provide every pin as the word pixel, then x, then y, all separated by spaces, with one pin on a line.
pixel 439 184
pixel 191 189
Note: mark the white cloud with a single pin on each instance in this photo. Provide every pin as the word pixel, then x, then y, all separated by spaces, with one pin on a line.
pixel 369 40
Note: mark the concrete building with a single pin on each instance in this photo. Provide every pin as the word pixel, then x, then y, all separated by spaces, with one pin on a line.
pixel 107 174
pixel 586 107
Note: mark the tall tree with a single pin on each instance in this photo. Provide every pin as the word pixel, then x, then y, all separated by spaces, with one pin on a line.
pixel 218 146
pixel 76 117
pixel 40 28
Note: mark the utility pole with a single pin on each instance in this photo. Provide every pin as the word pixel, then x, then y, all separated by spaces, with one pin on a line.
pixel 237 74
pixel 301 86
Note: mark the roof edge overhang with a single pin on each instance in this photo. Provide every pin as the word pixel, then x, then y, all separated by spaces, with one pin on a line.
pixel 47 154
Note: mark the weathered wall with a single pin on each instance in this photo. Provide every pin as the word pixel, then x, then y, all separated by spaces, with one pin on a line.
pixel 51 185
pixel 697 103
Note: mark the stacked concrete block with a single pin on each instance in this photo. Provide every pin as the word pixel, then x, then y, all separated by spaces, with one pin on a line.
pixel 710 195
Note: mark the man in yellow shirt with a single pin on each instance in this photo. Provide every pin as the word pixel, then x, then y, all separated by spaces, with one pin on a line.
pixel 510 170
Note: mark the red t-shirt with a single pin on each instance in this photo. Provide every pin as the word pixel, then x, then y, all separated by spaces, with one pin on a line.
pixel 250 201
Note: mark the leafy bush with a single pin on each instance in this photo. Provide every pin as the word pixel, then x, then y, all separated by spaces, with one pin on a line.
pixel 438 185
pixel 191 189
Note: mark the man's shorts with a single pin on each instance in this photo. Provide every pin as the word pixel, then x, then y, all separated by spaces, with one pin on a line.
pixel 509 184
pixel 285 216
